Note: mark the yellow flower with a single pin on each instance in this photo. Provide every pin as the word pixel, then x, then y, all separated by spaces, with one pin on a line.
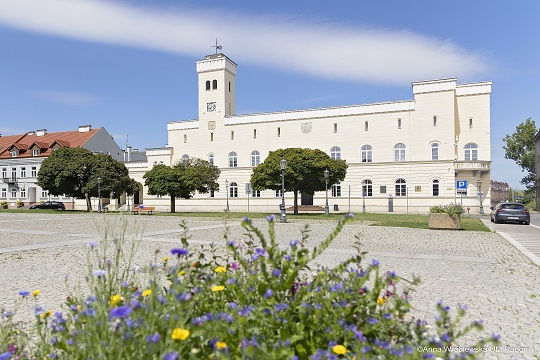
pixel 146 292
pixel 180 334
pixel 115 299
pixel 165 259
pixel 181 273
pixel 220 269
pixel 380 301
pixel 218 288
pixel 46 314
pixel 339 349
pixel 220 345
pixel 36 293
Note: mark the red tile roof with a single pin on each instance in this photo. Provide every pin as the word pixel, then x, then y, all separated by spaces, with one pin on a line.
pixel 25 142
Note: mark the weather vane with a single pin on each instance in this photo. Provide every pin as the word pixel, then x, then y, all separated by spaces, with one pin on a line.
pixel 218 47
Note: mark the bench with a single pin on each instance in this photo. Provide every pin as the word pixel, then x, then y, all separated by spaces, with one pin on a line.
pixel 141 209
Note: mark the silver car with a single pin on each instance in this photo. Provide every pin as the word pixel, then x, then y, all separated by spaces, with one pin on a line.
pixel 510 212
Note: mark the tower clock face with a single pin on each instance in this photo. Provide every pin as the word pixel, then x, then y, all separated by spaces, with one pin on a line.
pixel 211 106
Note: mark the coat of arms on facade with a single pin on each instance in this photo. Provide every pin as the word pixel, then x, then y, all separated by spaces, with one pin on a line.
pixel 306 127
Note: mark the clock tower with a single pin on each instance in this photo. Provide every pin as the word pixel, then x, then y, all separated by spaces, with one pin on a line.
pixel 217 89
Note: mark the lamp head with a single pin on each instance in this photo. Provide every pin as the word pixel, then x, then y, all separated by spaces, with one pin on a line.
pixel 283 163
pixel 326 174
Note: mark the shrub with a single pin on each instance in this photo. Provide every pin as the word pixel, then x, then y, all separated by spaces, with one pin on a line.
pixel 251 300
pixel 454 210
pixel 3 204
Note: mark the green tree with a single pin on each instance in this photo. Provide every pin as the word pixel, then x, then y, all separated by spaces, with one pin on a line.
pixel 74 171
pixel 182 180
pixel 304 172
pixel 520 148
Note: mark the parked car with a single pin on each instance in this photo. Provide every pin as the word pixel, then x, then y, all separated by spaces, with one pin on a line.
pixel 49 205
pixel 510 212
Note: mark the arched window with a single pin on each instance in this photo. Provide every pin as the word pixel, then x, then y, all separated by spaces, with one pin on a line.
pixel 255 158
pixel 214 84
pixel 367 188
pixel 399 152
pixel 211 159
pixel 435 151
pixel 233 190
pixel 185 159
pixel 471 151
pixel 207 84
pixel 435 187
pixel 155 163
pixel 336 190
pixel 233 159
pixel 401 187
pixel 335 153
pixel 367 153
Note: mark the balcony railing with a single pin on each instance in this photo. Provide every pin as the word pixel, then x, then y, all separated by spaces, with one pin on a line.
pixel 9 180
pixel 478 165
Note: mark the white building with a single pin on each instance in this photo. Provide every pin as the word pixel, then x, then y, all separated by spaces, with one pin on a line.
pixel 403 156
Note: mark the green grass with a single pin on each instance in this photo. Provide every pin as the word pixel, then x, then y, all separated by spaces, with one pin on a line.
pixel 416 221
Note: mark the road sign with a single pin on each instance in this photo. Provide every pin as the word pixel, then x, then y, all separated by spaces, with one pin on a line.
pixel 461 184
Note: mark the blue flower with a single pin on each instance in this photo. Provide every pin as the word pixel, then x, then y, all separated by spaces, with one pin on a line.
pixel 372 321
pixel 271 218
pixel 375 262
pixel 92 244
pixel 173 355
pixel 287 257
pixel 230 243
pixel 121 311
pixel 349 215
pixel 179 252
pixel 24 293
pixel 99 273
pixel 5 355
pixel 496 337
pixel 445 337
pixel 276 272
pixel 154 338
pixel 247 220
pixel 293 243
pixel 268 293
pixel 260 251
pixel 69 341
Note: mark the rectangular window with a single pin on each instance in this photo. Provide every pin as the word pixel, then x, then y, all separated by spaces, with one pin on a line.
pixel 35 152
pixel 256 193
pixel 232 134
pixel 212 193
pixel 185 138
pixel 366 126
pixel 23 193
pixel 23 172
pixel 383 189
pixel 254 133
pixel 399 123
pixel 336 190
pixel 278 193
pixel 4 172
pixel 470 123
pixel 335 127
pixel 434 120
pixel 44 193
pixel 278 132
pixel 14 153
pixel 211 136
pixel 4 193
pixel 13 193
pixel 13 173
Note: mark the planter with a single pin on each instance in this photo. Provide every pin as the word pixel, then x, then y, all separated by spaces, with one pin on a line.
pixel 444 221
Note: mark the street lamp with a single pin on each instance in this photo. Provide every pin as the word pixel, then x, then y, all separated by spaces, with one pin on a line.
pixel 227 192
pixel 479 184
pixel 283 165
pixel 364 198
pixel 326 176
pixel 99 194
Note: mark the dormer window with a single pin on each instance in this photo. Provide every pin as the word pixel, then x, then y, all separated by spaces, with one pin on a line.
pixel 35 152
pixel 14 153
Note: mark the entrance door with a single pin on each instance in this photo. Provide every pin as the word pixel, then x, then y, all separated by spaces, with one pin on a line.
pixel 306 199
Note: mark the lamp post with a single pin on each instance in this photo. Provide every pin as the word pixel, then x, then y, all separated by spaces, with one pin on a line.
pixel 326 176
pixel 283 165
pixel 479 184
pixel 364 199
pixel 227 193
pixel 99 194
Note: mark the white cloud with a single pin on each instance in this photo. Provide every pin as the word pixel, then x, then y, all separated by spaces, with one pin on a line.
pixel 319 49
pixel 67 97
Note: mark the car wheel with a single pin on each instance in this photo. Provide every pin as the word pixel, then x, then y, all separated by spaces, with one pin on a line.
pixel 491 219
pixel 495 221
pixel 527 222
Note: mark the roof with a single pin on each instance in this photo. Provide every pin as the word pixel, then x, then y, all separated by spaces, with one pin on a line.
pixel 26 142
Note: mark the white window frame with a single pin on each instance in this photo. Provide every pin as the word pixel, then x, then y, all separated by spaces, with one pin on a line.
pixel 399 152
pixel 435 151
pixel 336 190
pixel 255 158
pixel 335 153
pixel 471 152
pixel 367 153
pixel 233 190
pixel 400 187
pixel 367 187
pixel 233 159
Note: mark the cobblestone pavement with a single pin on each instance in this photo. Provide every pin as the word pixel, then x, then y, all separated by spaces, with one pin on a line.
pixel 481 269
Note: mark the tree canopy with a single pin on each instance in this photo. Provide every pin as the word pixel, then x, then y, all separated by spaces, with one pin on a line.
pixel 182 180
pixel 520 148
pixel 304 172
pixel 74 172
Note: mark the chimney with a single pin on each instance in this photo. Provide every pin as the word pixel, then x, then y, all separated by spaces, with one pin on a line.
pixel 31 133
pixel 41 132
pixel 85 128
pixel 128 149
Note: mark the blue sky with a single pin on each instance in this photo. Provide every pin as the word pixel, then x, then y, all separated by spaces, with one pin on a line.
pixel 129 65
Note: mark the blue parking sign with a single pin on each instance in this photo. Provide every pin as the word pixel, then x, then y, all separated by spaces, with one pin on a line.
pixel 461 184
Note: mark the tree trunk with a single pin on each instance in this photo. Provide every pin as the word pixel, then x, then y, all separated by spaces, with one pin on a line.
pixel 173 204
pixel 296 202
pixel 88 203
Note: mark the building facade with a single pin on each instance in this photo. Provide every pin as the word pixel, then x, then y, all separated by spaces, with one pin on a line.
pixel 403 156
pixel 500 192
pixel 537 167
pixel 21 157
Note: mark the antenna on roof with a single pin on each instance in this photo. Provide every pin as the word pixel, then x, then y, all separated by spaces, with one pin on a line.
pixel 218 47
pixel 127 137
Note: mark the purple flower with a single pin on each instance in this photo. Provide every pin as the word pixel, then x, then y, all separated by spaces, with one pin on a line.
pixel 179 252
pixel 24 293
pixel 99 273
pixel 287 257
pixel 293 243
pixel 247 220
pixel 5 355
pixel 230 243
pixel 375 262
pixel 92 244
pixel 268 293
pixel 445 337
pixel 349 215
pixel 372 321
pixel 260 251
pixel 496 337
pixel 121 311
pixel 154 338
pixel 276 272
pixel 271 218
pixel 173 355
